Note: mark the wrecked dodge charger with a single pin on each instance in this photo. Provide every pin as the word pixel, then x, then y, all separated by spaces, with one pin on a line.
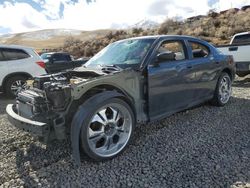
pixel 132 81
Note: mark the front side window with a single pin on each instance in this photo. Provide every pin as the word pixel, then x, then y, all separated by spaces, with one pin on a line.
pixel 14 54
pixel 174 47
pixel 199 50
pixel 58 57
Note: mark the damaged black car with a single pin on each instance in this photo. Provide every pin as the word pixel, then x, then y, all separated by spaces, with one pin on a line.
pixel 132 81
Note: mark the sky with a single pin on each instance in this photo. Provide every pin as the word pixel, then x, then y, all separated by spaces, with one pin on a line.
pixel 29 15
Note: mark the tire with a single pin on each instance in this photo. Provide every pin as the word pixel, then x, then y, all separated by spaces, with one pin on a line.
pixel 18 81
pixel 104 132
pixel 223 90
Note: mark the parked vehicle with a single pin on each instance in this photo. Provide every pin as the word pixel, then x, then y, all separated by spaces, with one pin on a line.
pixel 17 64
pixel 239 48
pixel 136 80
pixel 60 61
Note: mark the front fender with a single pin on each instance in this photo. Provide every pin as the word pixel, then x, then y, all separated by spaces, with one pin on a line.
pixel 79 119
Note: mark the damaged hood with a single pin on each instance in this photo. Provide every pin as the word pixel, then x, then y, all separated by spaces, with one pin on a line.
pixel 89 72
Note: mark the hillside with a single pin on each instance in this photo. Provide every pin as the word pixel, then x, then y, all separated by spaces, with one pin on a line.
pixel 49 38
pixel 217 28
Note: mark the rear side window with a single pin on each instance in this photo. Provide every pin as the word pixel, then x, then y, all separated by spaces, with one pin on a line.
pixel 199 50
pixel 14 54
pixel 61 57
pixel 241 39
pixel 175 47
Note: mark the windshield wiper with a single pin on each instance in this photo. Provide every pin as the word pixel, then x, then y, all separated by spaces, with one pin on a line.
pixel 111 68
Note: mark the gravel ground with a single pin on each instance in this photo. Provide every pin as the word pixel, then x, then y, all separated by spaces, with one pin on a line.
pixel 202 147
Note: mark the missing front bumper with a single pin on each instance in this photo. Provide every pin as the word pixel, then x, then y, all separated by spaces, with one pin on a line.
pixel 34 127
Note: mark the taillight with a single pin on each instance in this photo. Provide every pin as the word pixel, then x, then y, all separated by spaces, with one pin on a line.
pixel 41 64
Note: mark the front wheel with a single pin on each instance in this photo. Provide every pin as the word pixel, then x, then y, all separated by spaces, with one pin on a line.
pixel 107 129
pixel 223 90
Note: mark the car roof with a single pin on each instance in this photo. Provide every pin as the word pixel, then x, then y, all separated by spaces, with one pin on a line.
pixel 163 36
pixel 14 46
pixel 244 33
pixel 50 53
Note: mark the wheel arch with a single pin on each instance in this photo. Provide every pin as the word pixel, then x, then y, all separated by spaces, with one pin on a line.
pixel 108 87
pixel 25 74
pixel 94 94
pixel 229 72
pixel 96 89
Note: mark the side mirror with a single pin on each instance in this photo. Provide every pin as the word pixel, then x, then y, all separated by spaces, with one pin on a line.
pixel 166 56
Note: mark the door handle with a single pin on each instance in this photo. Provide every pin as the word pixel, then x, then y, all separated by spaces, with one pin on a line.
pixel 189 66
pixel 235 48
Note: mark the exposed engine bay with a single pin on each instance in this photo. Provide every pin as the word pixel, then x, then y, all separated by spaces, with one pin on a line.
pixel 50 95
pixel 55 89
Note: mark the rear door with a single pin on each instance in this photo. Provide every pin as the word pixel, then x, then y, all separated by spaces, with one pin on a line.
pixel 205 67
pixel 169 86
pixel 59 62
pixel 16 59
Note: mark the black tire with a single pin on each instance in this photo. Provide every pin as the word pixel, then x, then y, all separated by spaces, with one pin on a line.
pixel 86 122
pixel 7 86
pixel 217 99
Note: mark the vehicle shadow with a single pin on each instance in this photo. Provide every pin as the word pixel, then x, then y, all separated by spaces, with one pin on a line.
pixel 37 158
pixel 245 82
pixel 187 149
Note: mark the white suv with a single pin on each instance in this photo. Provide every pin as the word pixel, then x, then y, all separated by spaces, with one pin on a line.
pixel 17 64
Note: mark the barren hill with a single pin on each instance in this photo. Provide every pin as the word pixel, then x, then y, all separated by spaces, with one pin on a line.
pixel 49 38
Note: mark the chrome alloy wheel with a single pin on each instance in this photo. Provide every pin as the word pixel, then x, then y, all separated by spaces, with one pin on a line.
pixel 109 130
pixel 17 85
pixel 225 89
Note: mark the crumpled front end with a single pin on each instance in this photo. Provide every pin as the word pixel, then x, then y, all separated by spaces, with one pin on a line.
pixel 41 111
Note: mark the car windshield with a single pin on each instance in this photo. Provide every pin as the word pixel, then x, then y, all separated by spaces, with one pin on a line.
pixel 45 56
pixel 122 53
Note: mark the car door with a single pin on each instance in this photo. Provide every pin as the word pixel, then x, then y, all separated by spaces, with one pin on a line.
pixel 4 68
pixel 205 66
pixel 58 62
pixel 69 63
pixel 169 86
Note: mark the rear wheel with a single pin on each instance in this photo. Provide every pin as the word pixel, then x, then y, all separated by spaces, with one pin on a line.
pixel 223 90
pixel 14 84
pixel 107 129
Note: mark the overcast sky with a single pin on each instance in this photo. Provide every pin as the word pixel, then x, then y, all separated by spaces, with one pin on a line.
pixel 27 15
